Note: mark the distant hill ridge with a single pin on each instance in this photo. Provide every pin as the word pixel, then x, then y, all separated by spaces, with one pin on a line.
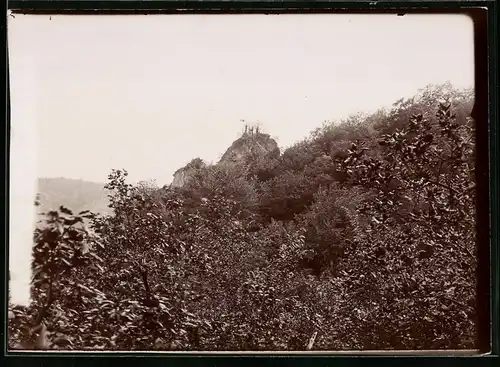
pixel 75 194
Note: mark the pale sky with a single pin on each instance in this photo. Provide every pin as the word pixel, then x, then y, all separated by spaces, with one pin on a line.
pixel 149 93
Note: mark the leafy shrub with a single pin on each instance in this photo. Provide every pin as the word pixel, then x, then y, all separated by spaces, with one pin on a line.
pixel 416 258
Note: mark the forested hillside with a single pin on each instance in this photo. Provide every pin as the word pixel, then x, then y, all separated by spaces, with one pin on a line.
pixel 361 236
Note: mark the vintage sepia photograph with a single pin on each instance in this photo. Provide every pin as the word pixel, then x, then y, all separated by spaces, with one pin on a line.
pixel 242 183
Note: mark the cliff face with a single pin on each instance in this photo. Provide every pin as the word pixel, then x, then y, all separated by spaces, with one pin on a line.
pixel 250 145
pixel 182 175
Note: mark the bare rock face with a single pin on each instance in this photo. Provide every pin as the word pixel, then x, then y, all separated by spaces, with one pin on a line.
pixel 251 144
pixel 184 174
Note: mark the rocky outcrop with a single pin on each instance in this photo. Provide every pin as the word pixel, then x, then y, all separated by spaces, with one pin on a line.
pixel 252 144
pixel 184 174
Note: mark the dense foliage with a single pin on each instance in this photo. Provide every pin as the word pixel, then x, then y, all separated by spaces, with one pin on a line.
pixel 360 237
